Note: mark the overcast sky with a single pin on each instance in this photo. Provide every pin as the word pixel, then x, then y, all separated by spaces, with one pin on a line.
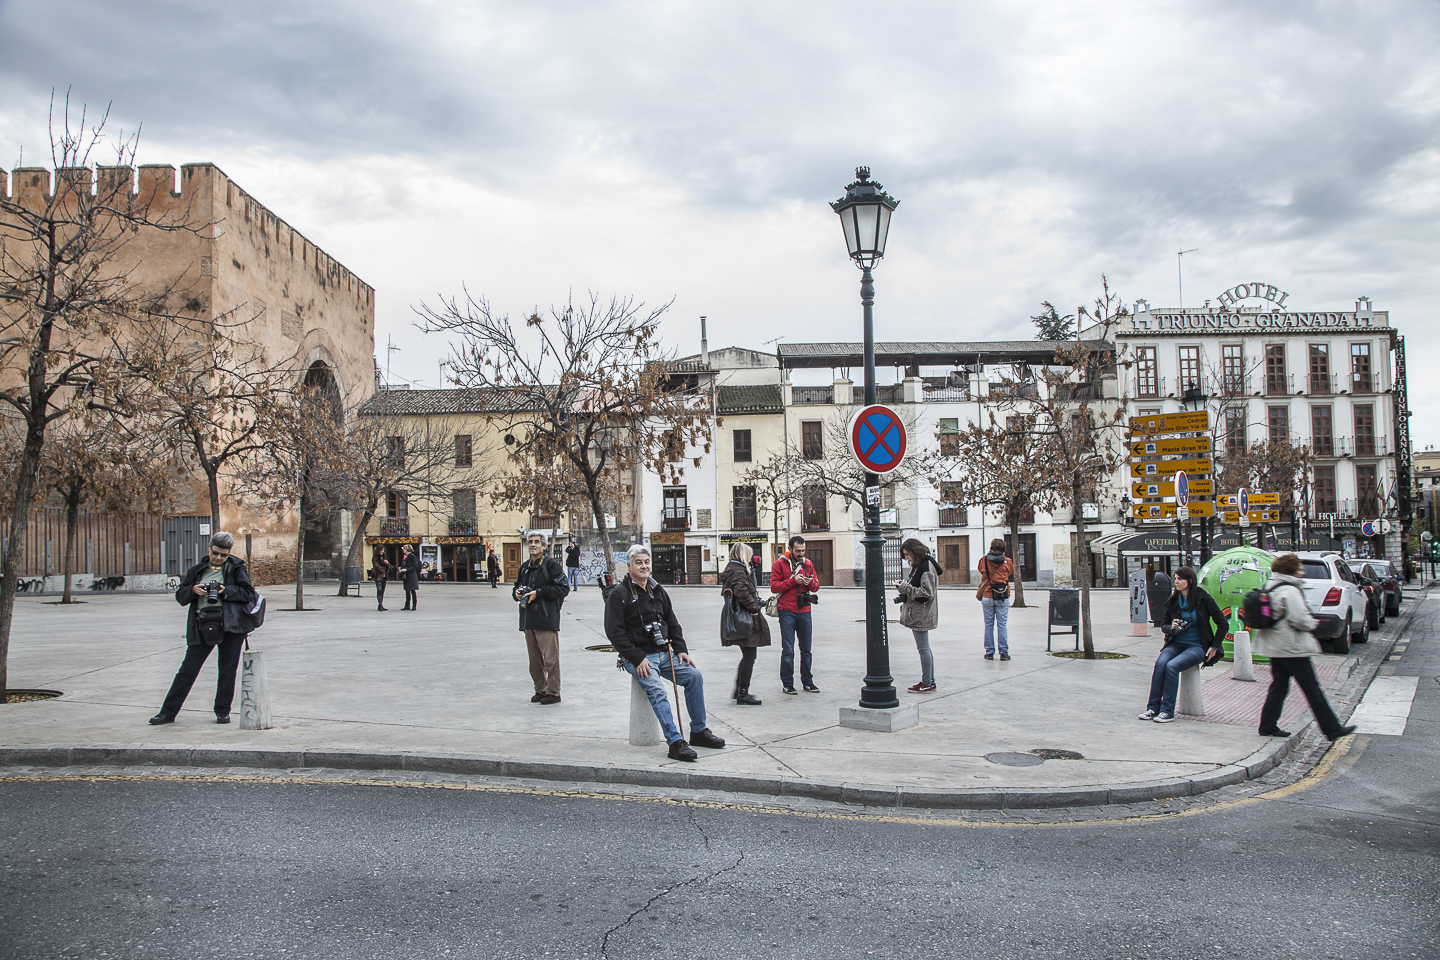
pixel 687 150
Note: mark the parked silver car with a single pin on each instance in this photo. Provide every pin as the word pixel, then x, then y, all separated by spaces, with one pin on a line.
pixel 1336 601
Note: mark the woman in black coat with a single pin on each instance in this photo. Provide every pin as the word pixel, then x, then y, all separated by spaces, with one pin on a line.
pixel 380 573
pixel 735 582
pixel 410 570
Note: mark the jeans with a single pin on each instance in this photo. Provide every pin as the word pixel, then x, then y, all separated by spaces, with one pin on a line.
pixel 927 661
pixel 656 688
pixel 1281 670
pixel 195 656
pixel 574 577
pixel 1165 681
pixel 791 625
pixel 997 614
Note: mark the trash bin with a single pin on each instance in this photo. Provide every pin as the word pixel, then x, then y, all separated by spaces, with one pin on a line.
pixel 352 579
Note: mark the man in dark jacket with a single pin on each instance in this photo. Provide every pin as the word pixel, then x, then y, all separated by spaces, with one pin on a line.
pixel 572 564
pixel 540 589
pixel 209 624
pixel 640 623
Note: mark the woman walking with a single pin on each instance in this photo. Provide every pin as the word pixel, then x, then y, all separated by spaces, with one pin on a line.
pixel 1290 644
pixel 410 570
pixel 380 573
pixel 735 582
pixel 1190 614
pixel 920 606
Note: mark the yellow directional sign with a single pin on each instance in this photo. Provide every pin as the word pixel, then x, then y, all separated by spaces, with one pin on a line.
pixel 1192 422
pixel 1166 511
pixel 1256 516
pixel 1157 448
pixel 1256 500
pixel 1166 488
pixel 1167 468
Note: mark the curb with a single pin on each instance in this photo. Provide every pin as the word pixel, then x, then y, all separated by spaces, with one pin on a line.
pixel 1257 764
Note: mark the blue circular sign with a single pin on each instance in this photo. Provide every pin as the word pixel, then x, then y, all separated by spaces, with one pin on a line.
pixel 1244 502
pixel 877 438
pixel 1182 488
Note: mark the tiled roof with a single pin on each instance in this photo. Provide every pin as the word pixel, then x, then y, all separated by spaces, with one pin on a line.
pixel 395 403
pixel 750 398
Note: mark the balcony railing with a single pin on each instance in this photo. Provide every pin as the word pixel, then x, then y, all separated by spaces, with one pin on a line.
pixel 1279 385
pixel 1232 384
pixel 1323 446
pixel 1147 388
pixel 815 521
pixel 1320 384
pixel 804 396
pixel 743 520
pixel 677 518
pixel 1362 446
pixel 394 526
pixel 1362 382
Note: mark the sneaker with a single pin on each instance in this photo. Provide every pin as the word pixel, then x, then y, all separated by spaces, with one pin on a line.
pixel 1164 718
pixel 791 690
pixel 1004 656
pixel 922 688
pixel 680 750
pixel 1342 732
pixel 989 656
pixel 705 738
pixel 1147 715
pixel 811 688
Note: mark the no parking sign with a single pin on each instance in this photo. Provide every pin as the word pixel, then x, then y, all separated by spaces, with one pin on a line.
pixel 877 439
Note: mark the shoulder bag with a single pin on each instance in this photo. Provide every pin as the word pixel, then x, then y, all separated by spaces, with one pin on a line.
pixel 998 591
pixel 736 623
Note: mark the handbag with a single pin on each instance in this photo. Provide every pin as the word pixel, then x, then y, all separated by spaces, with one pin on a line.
pixel 211 626
pixel 772 605
pixel 736 623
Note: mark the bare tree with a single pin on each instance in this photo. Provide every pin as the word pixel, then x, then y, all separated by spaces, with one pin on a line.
pixel 596 391
pixel 774 493
pixel 66 293
pixel 835 470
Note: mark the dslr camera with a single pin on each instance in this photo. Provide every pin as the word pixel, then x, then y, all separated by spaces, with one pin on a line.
pixel 212 592
pixel 806 599
pixel 657 633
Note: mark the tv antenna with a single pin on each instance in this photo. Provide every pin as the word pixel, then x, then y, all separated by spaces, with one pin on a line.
pixel 1180 273
pixel 390 349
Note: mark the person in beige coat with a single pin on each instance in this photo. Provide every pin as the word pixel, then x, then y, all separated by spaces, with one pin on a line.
pixel 920 606
pixel 1290 644
pixel 735 581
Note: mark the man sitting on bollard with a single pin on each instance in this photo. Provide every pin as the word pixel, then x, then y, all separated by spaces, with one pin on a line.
pixel 640 623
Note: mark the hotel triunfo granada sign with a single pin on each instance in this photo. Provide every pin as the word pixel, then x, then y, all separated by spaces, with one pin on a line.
pixel 1268 315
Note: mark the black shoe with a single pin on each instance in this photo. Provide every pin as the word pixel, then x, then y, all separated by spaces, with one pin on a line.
pixel 380 609
pixel 1004 656
pixel 222 718
pixel 549 698
pixel 160 718
pixel 704 738
pixel 1274 732
pixel 1342 732
pixel 811 688
pixel 537 698
pixel 743 698
pixel 790 690
pixel 680 750
pixel 989 656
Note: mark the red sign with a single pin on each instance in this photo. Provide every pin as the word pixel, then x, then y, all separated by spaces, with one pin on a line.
pixel 877 438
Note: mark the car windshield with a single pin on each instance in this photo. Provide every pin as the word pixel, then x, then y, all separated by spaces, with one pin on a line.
pixel 1315 570
pixel 1382 567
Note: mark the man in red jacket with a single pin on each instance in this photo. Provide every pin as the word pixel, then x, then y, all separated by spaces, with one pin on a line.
pixel 793 578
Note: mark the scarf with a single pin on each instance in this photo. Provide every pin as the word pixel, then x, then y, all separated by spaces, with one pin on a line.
pixel 917 573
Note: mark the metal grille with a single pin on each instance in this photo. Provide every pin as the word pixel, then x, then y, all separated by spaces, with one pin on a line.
pixel 106 545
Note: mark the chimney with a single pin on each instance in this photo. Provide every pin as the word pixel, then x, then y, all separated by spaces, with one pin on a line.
pixel 704 345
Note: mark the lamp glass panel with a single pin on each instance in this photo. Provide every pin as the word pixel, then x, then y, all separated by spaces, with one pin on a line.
pixel 847 220
pixel 866 224
pixel 882 230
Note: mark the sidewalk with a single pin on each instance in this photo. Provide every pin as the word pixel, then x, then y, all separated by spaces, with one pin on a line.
pixel 447 689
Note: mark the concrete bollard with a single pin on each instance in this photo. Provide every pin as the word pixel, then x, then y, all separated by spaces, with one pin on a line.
pixel 644 727
pixel 1191 700
pixel 254 692
pixel 1244 668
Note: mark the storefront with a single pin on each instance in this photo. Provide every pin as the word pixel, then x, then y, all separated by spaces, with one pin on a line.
pixel 462 558
pixel 669 558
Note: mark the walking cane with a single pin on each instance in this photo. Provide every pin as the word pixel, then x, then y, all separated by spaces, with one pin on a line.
pixel 673 684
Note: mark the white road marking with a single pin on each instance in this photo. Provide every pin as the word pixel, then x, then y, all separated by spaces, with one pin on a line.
pixel 1385 707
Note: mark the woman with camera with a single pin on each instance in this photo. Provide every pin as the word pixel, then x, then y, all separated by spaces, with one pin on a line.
pixel 736 585
pixel 1190 614
pixel 920 606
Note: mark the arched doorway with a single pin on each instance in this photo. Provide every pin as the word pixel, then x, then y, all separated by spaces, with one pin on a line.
pixel 324 553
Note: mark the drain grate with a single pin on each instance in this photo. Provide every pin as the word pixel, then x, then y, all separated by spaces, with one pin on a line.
pixel 1015 759
pixel 602 648
pixel 1048 754
pixel 28 696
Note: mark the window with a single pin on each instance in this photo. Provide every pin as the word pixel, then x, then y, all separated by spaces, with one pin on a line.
pixel 1190 369
pixel 1324 490
pixel 812 444
pixel 1235 439
pixel 1147 373
pixel 742 445
pixel 1275 379
pixel 1367 493
pixel 1320 368
pixel 1279 422
pixel 1364 430
pixel 462 449
pixel 949 436
pixel 1232 368
pixel 813 514
pixel 677 511
pixel 1322 435
pixel 1360 381
pixel 742 507
pixel 396 505
pixel 463 502
pixel 396 447
pixel 952 511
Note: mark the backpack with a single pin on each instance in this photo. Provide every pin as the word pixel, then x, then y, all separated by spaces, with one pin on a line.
pixel 998 591
pixel 1259 609
pixel 253 616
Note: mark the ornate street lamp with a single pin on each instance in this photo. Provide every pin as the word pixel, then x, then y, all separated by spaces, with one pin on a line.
pixel 865 214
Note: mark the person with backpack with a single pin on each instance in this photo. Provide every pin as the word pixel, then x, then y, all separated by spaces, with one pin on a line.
pixel 218 592
pixel 737 588
pixel 1288 640
pixel 540 589
pixel 1194 630
pixel 793 580
pixel 920 606
pixel 996 572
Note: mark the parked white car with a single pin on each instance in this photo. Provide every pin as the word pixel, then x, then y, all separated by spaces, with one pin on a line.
pixel 1336 601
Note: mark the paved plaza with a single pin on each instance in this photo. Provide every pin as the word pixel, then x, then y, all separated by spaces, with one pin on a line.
pixel 447 688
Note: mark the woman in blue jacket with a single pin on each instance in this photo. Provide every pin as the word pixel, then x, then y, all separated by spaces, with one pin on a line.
pixel 1190 614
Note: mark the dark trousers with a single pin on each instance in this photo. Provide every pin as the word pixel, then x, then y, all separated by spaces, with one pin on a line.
pixel 412 600
pixel 1281 670
pixel 746 669
pixel 380 593
pixel 195 656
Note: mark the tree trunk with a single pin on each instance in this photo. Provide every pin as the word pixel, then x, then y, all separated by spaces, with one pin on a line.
pixel 212 480
pixel 300 558
pixel 19 518
pixel 356 555
pixel 600 528
pixel 72 517
pixel 1019 600
pixel 1082 568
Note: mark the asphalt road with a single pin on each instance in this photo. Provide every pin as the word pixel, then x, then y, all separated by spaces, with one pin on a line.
pixel 1348 867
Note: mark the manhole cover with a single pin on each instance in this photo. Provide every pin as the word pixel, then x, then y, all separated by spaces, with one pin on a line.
pixel 1099 655
pixel 1048 754
pixel 1015 759
pixel 26 696
pixel 602 648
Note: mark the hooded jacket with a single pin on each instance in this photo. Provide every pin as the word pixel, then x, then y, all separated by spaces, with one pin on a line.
pixel 238 595
pixel 1290 637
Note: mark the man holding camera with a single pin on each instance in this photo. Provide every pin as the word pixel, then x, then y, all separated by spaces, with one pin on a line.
pixel 217 590
pixel 540 589
pixel 640 623
pixel 793 578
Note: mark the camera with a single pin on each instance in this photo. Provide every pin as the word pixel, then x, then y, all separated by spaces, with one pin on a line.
pixel 657 634
pixel 212 592
pixel 807 599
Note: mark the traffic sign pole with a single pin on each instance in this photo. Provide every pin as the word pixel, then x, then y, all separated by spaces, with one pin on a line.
pixel 879 690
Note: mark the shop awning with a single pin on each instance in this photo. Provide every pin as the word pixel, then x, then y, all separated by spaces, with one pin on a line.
pixel 1150 542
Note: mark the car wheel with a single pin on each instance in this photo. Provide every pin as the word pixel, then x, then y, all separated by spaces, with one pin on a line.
pixel 1364 635
pixel 1372 616
pixel 1341 643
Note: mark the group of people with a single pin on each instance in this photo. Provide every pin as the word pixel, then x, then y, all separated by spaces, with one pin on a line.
pixel 640 623
pixel 408 571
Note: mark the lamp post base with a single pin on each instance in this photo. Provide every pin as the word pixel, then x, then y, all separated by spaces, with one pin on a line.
pixel 883 719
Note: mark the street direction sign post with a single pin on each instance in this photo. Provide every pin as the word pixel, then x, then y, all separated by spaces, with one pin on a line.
pixel 1165 468
pixel 1185 446
pixel 1256 500
pixel 1254 516
pixel 1142 489
pixel 877 439
pixel 1194 421
pixel 1169 511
